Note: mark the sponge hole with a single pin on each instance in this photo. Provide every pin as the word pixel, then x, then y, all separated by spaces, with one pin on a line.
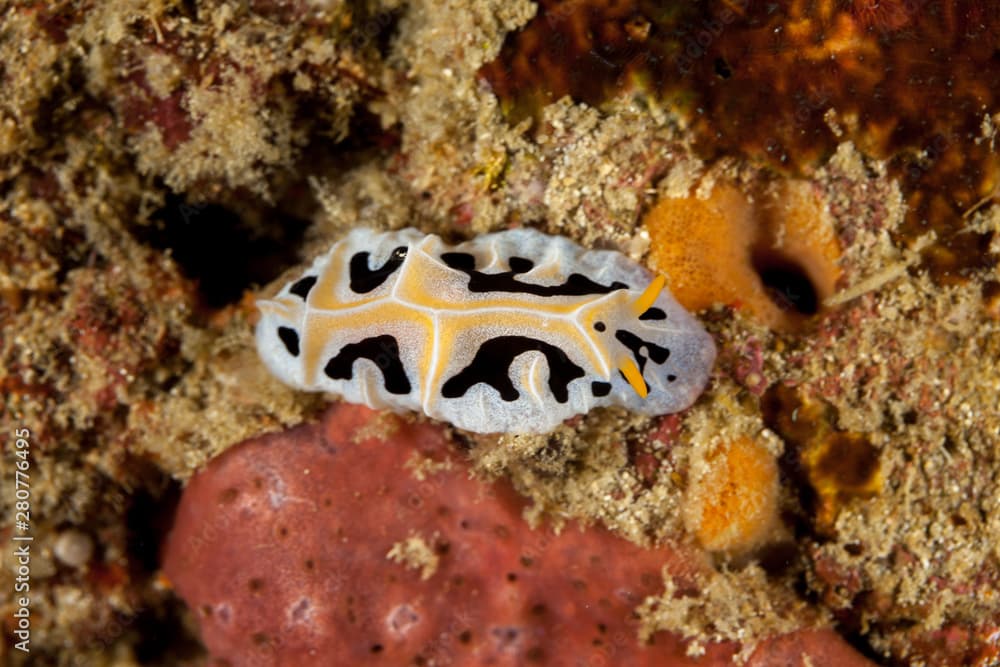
pixel 787 284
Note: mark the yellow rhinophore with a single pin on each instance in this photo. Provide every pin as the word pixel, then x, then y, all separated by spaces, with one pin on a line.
pixel 648 298
pixel 634 377
pixel 627 366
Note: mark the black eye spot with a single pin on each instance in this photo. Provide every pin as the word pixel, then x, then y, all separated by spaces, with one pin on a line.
pixel 290 339
pixel 599 326
pixel 301 288
pixel 671 378
pixel 653 314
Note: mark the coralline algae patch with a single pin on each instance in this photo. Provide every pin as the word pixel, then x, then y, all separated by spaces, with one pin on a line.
pixel 362 540
pixel 775 256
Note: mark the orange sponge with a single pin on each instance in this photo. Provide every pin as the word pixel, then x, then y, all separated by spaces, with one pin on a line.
pixel 733 504
pixel 775 257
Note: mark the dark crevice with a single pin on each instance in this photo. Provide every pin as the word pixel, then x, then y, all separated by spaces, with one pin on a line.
pixel 722 69
pixel 162 636
pixel 849 628
pixel 214 246
pixel 787 284
pixel 388 24
pixel 149 516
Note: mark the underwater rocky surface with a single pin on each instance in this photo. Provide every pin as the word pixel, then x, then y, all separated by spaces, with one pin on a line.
pixel 817 180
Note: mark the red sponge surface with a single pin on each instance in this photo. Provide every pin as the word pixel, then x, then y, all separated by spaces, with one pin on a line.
pixel 280 549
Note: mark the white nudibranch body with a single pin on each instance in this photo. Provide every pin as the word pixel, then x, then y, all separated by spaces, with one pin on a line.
pixel 509 332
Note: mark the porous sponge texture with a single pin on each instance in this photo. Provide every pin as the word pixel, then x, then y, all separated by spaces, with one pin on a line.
pixel 363 540
pixel 703 245
pixel 712 248
pixel 732 505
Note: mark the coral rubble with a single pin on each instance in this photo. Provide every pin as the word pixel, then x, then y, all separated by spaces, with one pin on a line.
pixel 819 178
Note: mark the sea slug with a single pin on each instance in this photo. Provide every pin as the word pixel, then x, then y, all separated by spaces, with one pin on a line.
pixel 509 332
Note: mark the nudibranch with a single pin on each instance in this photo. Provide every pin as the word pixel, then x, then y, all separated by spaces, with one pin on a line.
pixel 510 332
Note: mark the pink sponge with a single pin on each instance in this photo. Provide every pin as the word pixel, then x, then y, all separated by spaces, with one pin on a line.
pixel 280 549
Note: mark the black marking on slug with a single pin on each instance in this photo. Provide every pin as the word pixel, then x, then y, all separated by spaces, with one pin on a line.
pixel 302 287
pixel 491 366
pixel 364 280
pixel 506 281
pixel 599 389
pixel 636 345
pixel 520 265
pixel 653 314
pixel 599 326
pixel 383 351
pixel 290 338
